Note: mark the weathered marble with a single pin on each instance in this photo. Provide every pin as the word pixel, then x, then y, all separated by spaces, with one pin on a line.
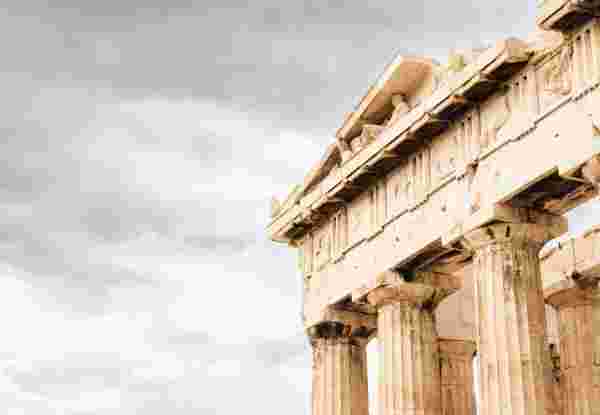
pixel 340 384
pixel 463 170
pixel 408 346
pixel 515 369
pixel 579 382
pixel 456 362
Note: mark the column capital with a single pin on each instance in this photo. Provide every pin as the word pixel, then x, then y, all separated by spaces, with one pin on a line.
pixel 339 323
pixel 426 288
pixel 572 292
pixel 517 233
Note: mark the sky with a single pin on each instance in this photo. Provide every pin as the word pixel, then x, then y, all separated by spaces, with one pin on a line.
pixel 141 142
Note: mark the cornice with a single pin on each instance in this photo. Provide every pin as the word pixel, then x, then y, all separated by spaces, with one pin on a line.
pixel 477 81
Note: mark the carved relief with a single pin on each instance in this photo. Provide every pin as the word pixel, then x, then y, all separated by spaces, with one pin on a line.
pixel 468 137
pixel 401 107
pixel 306 255
pixel 344 149
pixel 322 247
pixel 359 218
pixel 473 195
pixel 416 181
pixel 377 201
pixel 369 134
pixel 557 73
pixel 495 113
pixel 398 188
pixel 583 65
pixel 340 232
pixel 480 185
pixel 443 156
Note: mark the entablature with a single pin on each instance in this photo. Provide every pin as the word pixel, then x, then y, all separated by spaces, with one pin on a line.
pixel 448 102
pixel 503 95
pixel 514 157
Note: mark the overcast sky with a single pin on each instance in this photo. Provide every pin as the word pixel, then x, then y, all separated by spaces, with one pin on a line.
pixel 141 143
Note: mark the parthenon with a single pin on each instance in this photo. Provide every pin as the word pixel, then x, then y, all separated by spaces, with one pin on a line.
pixel 425 222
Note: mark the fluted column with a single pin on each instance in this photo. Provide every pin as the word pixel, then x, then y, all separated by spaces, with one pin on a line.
pixel 456 361
pixel 575 304
pixel 596 347
pixel 515 369
pixel 408 348
pixel 339 369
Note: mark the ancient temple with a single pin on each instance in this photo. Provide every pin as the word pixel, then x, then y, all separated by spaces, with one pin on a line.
pixel 423 226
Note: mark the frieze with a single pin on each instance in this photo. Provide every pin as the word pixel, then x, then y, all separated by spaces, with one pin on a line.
pixel 322 246
pixel 584 59
pixel 401 107
pixel 556 76
pixel 495 114
pixel 468 137
pixel 359 214
pixel 306 255
pixel 398 184
pixel 444 157
pixel 452 176
pixel 378 207
pixel 339 233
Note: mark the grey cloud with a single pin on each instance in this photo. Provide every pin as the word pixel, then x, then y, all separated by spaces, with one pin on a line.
pixel 274 353
pixel 211 243
pixel 66 191
pixel 50 381
pixel 65 271
pixel 194 338
pixel 272 56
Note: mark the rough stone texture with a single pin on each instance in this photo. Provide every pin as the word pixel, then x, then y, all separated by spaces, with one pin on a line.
pixel 515 369
pixel 456 362
pixel 455 316
pixel 579 388
pixel 408 348
pixel 339 371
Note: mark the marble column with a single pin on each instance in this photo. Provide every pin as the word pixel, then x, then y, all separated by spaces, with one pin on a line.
pixel 456 361
pixel 409 366
pixel 596 353
pixel 515 369
pixel 552 334
pixel 339 369
pixel 579 385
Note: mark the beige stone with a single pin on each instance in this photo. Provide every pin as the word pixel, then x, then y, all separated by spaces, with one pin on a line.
pixel 456 175
pixel 514 366
pixel 339 370
pixel 575 302
pixel 408 345
pixel 456 364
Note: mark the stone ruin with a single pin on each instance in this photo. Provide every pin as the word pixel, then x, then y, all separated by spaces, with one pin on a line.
pixel 424 225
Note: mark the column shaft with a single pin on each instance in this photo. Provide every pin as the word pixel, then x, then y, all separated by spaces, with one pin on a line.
pixel 577 359
pixel 339 378
pixel 596 352
pixel 339 384
pixel 456 361
pixel 408 344
pixel 515 370
pixel 580 386
pixel 411 375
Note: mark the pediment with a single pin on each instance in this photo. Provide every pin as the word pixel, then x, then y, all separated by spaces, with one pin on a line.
pixel 405 76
